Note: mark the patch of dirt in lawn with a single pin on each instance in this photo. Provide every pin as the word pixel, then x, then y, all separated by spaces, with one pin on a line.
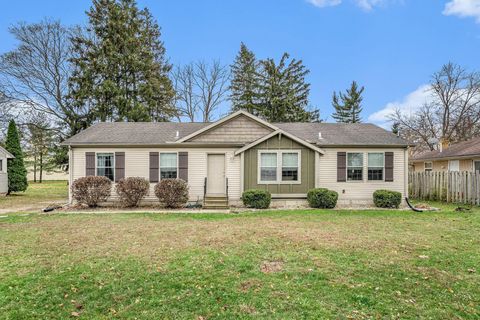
pixel 271 266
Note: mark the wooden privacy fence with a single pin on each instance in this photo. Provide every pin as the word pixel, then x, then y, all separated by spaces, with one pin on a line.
pixel 458 187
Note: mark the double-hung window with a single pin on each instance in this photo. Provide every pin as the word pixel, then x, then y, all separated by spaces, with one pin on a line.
pixel 354 166
pixel 106 165
pixel 375 166
pixel 168 165
pixel 476 166
pixel 290 166
pixel 1 165
pixel 428 166
pixel 268 166
pixel 279 166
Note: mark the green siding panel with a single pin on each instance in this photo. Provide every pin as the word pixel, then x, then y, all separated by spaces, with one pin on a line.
pixel 280 142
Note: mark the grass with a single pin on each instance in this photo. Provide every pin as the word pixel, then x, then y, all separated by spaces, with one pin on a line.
pixel 38 195
pixel 271 265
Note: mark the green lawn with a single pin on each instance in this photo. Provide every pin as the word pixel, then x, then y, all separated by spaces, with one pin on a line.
pixel 271 265
pixel 37 196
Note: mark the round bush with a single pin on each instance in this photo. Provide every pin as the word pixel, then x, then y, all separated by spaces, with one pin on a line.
pixel 258 199
pixel 322 198
pixel 172 193
pixel 132 190
pixel 387 199
pixel 91 190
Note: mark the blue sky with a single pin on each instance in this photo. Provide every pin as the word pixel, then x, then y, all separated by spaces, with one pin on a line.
pixel 390 46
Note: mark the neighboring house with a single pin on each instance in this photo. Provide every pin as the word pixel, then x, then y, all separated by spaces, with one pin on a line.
pixel 462 156
pixel 222 159
pixel 4 155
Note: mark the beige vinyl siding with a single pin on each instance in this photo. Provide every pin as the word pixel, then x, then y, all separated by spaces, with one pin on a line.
pixel 442 165
pixel 137 165
pixel 359 192
pixel 240 129
pixel 3 174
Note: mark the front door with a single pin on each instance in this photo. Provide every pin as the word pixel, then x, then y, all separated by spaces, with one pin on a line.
pixel 216 174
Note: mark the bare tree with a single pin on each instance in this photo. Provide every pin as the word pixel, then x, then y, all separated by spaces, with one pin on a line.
pixel 212 83
pixel 452 115
pixel 186 99
pixel 36 73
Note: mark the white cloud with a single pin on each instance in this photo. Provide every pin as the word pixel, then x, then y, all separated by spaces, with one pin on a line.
pixel 409 104
pixel 463 8
pixel 325 3
pixel 368 5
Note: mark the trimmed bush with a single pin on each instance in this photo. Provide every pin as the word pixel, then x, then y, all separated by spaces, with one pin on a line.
pixel 91 190
pixel 322 198
pixel 387 199
pixel 132 190
pixel 258 199
pixel 172 193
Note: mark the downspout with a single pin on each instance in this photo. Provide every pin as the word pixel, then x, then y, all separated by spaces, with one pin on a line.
pixel 70 173
pixel 405 184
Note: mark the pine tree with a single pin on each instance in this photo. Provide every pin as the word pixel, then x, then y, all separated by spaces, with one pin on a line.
pixel 17 174
pixel 283 92
pixel 245 81
pixel 120 65
pixel 396 128
pixel 349 108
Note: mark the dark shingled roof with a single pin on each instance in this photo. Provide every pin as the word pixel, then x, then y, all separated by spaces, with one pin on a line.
pixel 462 149
pixel 151 133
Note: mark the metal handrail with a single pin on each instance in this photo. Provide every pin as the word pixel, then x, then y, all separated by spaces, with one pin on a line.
pixel 226 186
pixel 205 188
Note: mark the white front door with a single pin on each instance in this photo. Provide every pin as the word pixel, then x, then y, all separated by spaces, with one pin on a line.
pixel 216 174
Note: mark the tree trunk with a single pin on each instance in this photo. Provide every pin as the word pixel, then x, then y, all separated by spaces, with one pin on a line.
pixel 41 167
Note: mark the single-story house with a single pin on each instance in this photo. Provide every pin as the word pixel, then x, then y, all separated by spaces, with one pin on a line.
pixel 4 156
pixel 238 152
pixel 462 156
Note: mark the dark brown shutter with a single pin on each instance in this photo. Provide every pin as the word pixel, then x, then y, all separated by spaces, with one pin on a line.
pixel 389 166
pixel 154 163
pixel 183 165
pixel 341 166
pixel 119 166
pixel 89 163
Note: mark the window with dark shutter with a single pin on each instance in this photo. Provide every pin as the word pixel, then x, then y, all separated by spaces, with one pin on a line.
pixel 341 166
pixel 89 163
pixel 154 166
pixel 389 166
pixel 119 166
pixel 183 165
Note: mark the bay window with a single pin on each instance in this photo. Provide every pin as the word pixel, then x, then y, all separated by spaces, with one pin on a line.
pixel 354 166
pixel 376 163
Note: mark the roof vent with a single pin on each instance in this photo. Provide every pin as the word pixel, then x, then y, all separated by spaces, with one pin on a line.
pixel 320 136
pixel 177 134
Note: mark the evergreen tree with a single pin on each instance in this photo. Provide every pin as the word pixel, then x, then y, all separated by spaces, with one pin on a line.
pixel 396 128
pixel 283 92
pixel 348 106
pixel 17 174
pixel 245 81
pixel 120 66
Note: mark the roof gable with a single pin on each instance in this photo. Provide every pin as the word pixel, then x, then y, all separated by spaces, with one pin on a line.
pixel 7 154
pixel 239 127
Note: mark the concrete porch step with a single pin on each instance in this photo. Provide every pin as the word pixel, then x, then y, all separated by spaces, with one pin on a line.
pixel 215 202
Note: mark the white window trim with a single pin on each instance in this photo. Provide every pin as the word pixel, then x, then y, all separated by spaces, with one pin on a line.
pixel 425 167
pixel 383 168
pixel 363 168
pixel 113 165
pixel 160 163
pixel 449 166
pixel 473 164
pixel 279 166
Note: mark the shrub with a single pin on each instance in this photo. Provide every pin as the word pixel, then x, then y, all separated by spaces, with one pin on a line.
pixel 91 190
pixel 131 190
pixel 387 199
pixel 258 199
pixel 322 198
pixel 173 193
